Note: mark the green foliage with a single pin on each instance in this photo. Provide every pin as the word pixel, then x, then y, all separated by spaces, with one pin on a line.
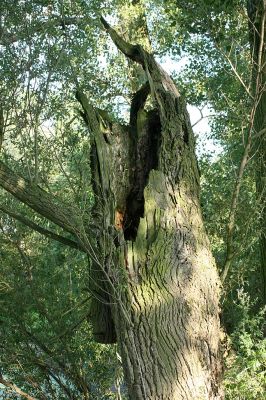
pixel 245 377
pixel 44 58
pixel 46 342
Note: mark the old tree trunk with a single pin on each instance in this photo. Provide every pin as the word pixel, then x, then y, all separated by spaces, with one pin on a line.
pixel 154 280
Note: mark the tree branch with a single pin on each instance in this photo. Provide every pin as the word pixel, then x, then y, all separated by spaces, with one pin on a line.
pixel 41 230
pixel 40 201
pixel 73 376
pixel 16 389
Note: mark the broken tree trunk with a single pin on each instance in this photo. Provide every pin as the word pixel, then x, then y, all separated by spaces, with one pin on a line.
pixel 154 280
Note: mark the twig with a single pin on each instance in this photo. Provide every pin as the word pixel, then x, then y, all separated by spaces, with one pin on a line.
pixel 41 230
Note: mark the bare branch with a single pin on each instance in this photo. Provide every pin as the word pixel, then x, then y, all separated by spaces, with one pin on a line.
pixel 41 230
pixel 259 134
pixel 236 73
pixel 202 116
pixel 230 253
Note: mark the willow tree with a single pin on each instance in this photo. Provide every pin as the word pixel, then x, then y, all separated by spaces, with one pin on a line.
pixel 153 280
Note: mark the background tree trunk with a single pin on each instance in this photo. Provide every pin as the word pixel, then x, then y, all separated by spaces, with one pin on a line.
pixel 153 270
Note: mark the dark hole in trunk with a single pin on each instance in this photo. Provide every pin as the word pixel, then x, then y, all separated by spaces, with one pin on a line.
pixel 146 158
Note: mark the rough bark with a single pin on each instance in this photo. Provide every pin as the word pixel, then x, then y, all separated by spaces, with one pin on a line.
pixel 257 14
pixel 155 277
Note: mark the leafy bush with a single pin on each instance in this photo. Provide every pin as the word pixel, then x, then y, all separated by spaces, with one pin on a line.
pixel 245 377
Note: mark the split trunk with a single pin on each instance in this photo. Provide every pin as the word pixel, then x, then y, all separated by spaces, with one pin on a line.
pixel 154 280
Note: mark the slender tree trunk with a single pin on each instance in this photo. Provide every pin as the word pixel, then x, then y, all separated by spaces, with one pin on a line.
pixel 257 15
pixel 155 282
